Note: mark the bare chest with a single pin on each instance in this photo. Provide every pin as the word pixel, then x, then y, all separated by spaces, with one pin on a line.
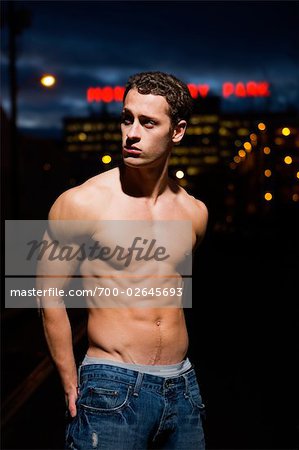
pixel 134 235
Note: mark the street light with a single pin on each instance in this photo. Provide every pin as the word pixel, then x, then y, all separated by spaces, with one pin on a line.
pixel 48 80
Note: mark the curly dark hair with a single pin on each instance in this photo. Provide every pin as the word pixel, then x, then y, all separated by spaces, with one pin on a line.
pixel 174 90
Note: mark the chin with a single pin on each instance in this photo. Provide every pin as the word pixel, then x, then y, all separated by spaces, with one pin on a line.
pixel 134 162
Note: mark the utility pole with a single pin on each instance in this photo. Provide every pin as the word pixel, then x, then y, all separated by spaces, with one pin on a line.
pixel 14 157
pixel 17 21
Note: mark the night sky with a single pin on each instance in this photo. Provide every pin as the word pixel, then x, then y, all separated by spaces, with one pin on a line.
pixel 94 43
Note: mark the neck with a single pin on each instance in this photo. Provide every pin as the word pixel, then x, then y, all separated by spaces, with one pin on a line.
pixel 144 181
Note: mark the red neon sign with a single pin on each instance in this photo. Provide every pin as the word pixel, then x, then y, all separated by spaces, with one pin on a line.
pixel 105 94
pixel 249 89
pixel 108 94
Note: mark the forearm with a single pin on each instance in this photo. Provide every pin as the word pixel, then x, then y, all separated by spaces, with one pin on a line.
pixel 59 338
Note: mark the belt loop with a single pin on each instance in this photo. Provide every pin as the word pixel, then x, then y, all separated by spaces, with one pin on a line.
pixel 138 384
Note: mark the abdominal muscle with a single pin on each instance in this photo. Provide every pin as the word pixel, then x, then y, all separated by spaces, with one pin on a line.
pixel 131 327
pixel 149 336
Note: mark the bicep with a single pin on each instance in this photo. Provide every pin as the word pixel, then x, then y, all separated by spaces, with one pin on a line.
pixel 202 216
pixel 57 262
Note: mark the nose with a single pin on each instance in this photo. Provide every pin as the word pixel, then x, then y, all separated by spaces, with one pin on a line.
pixel 134 131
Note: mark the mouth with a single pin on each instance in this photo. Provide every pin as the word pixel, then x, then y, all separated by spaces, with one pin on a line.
pixel 132 150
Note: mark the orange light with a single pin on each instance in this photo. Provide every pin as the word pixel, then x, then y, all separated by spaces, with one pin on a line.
pixel 268 196
pixel 237 159
pixel 297 175
pixel 242 153
pixel 247 146
pixel 267 150
pixel 267 173
pixel 288 160
pixel 295 197
pixel 261 126
pixel 286 131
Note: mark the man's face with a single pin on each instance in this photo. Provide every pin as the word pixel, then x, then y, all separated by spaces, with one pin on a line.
pixel 146 130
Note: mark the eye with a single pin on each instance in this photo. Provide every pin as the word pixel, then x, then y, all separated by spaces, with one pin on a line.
pixel 126 120
pixel 149 123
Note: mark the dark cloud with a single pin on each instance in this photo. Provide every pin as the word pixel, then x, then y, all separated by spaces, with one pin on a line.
pixel 95 43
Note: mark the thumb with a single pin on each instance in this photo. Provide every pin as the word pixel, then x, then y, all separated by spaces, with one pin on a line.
pixel 71 402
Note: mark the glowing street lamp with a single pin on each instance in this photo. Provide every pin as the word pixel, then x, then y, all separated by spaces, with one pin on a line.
pixel 48 80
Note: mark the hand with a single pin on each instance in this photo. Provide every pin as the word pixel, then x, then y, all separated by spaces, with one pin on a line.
pixel 70 398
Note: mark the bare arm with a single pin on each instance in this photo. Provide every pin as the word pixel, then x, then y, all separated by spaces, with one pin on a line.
pixel 201 222
pixel 58 334
pixel 56 274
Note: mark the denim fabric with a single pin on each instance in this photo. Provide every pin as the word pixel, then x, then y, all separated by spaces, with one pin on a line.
pixel 122 409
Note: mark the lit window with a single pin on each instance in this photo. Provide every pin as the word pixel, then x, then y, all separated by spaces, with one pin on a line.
pixel 82 136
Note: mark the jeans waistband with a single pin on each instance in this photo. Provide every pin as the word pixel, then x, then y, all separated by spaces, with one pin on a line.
pixel 169 370
pixel 92 372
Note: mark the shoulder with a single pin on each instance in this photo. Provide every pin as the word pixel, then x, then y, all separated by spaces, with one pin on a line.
pixel 198 213
pixel 200 209
pixel 82 202
pixel 76 211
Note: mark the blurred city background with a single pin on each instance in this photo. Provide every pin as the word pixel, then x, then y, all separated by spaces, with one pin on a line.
pixel 64 66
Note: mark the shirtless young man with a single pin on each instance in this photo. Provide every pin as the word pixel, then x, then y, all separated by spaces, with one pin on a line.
pixel 135 389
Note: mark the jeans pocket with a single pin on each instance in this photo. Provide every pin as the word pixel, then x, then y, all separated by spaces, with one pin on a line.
pixel 196 400
pixel 105 396
pixel 69 422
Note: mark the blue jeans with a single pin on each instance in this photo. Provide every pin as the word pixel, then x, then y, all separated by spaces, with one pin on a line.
pixel 122 409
